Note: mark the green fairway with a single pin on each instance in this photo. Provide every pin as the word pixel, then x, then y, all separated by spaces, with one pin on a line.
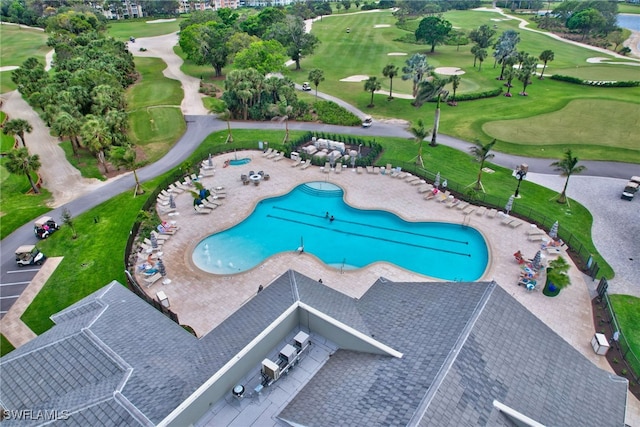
pixel 155 118
pixel 17 45
pixel 568 124
pixel 123 29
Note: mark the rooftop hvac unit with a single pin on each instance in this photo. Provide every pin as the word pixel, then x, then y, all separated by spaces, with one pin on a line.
pixel 288 353
pixel 301 340
pixel 270 370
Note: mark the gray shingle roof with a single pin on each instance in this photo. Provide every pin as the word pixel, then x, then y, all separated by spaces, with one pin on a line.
pixel 115 359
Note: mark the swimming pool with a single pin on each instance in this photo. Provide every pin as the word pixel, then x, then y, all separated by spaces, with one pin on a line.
pixel 354 239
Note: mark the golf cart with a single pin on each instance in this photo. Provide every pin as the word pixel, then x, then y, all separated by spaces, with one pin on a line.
pixel 306 86
pixel 44 226
pixel 29 255
pixel 367 122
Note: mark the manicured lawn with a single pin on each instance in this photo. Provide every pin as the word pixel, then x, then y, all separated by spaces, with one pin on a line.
pixel 627 309
pixel 17 45
pixel 628 8
pixel 122 30
pixel 155 118
pixel 18 207
pixel 365 52
pixel 5 346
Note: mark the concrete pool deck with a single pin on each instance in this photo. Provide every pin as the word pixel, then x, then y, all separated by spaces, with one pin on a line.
pixel 203 300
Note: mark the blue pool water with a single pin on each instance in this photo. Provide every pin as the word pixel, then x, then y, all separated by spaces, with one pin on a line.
pixel 239 162
pixel 355 239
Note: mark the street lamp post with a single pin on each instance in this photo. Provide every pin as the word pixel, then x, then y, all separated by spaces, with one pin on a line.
pixel 520 174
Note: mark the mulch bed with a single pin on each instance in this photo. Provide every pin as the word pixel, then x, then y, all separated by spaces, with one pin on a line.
pixel 614 355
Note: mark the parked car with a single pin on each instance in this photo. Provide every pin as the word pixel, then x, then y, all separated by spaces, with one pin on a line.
pixel 631 188
pixel 44 226
pixel 367 122
pixel 306 86
pixel 29 255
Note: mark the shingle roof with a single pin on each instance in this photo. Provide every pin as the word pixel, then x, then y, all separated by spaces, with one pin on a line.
pixel 116 359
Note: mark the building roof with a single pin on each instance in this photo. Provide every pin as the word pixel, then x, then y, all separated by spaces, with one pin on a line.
pixel 112 357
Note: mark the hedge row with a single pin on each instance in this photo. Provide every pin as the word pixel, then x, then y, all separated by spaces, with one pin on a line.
pixel 598 83
pixel 471 96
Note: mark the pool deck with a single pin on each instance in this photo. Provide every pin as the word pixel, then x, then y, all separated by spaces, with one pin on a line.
pixel 203 300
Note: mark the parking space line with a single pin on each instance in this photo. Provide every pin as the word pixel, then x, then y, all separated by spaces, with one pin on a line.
pixel 14 283
pixel 23 271
pixel 11 297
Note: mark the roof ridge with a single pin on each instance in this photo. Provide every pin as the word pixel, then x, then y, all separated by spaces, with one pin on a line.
pixel 452 356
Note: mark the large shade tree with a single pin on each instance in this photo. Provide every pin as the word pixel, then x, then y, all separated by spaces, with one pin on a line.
pixel 21 162
pixel 506 49
pixel 264 56
pixel 567 166
pixel 207 44
pixel 433 30
pixel 18 127
pixel 292 35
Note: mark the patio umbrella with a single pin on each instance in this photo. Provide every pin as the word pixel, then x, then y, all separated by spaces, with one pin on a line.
pixel 436 183
pixel 154 241
pixel 172 202
pixel 210 160
pixel 536 262
pixel 509 205
pixel 161 268
pixel 553 233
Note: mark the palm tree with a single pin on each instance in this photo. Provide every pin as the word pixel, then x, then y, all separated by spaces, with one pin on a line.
pixel 96 136
pixel 545 56
pixel 526 71
pixel 18 127
pixel 482 55
pixel 416 70
pixel 455 83
pixel 372 85
pixel 390 71
pixel 126 156
pixel 509 75
pixel 419 133
pixel 21 162
pixel 67 125
pixel 474 51
pixel 436 124
pixel 316 76
pixel 567 166
pixel 482 153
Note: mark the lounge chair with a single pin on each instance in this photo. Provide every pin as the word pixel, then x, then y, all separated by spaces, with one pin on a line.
pixel 443 196
pixel 296 163
pixel 359 169
pixel 338 167
pixel 209 172
pixel 481 210
pixel 176 188
pixel 431 195
pixel 273 155
pixel 279 157
pixel 205 165
pixel 376 170
pixel 201 209
pixel 537 237
pixel 516 223
pixel 507 220
pixel 462 206
pixel 152 279
pixel 369 169
pixel 424 188
pixel 492 213
pixel 401 175
pixel 160 237
pixel 267 152
pixel 418 182
pixel 535 232
pixel 306 165
pixel 327 167
pixel 454 202
pixel 469 209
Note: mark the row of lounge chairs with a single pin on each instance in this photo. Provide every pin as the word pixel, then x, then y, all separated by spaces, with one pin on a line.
pixel 337 169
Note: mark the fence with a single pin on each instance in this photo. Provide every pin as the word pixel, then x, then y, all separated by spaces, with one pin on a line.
pixel 610 322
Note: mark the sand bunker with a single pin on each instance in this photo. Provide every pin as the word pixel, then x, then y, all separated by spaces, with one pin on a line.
pixel 517 66
pixel 449 71
pixel 357 78
pixel 396 54
pixel 160 21
pixel 381 26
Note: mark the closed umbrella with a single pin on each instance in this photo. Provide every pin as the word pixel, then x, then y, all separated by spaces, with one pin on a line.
pixel 154 242
pixel 161 268
pixel 553 233
pixel 536 262
pixel 210 160
pixel 172 202
pixel 509 205
pixel 436 183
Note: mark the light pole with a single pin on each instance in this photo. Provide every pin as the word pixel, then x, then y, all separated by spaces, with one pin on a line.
pixel 520 174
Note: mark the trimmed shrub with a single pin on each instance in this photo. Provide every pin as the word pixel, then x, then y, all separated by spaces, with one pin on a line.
pixel 333 114
pixel 598 83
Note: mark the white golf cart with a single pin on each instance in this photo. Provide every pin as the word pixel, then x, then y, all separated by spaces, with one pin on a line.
pixel 367 122
pixel 44 226
pixel 29 255
pixel 306 86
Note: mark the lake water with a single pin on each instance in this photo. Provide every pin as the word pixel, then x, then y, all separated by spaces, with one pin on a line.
pixel 626 20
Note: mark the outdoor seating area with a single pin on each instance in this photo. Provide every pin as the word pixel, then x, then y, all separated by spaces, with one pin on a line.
pixel 530 270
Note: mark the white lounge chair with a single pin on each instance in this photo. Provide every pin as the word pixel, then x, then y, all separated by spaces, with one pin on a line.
pixel 296 163
pixel 152 279
pixel 200 209
pixel 481 210
pixel 267 152
pixel 359 169
pixel 327 167
pixel 306 165
pixel 492 213
pixel 338 167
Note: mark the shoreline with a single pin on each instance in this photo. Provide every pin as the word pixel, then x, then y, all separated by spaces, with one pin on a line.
pixel 633 43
